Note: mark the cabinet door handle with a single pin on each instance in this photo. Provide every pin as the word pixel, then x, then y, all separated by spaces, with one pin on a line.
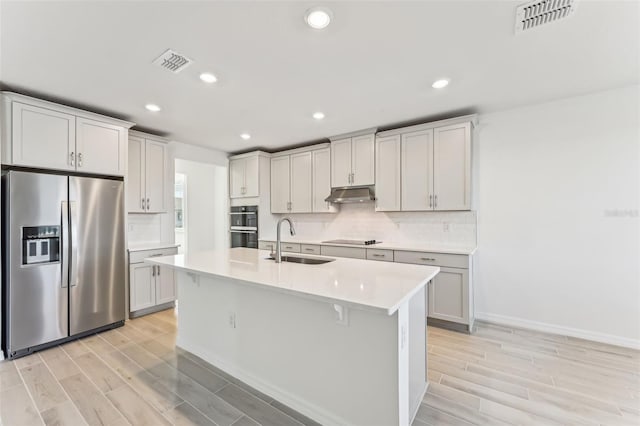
pixel 158 273
pixel 435 201
pixel 428 259
pixel 378 255
pixel 153 271
pixel 430 201
pixel 72 160
pixel 79 159
pixel 353 177
pixel 148 204
pixel 143 207
pixel 308 249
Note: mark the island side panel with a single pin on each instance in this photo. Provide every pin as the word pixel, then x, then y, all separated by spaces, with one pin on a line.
pixel 293 349
pixel 417 351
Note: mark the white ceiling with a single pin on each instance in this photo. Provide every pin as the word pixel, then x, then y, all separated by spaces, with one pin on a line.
pixel 373 66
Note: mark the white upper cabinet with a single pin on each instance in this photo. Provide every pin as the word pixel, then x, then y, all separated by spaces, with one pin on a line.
pixel 236 178
pixel 100 147
pixel 136 191
pixel 388 173
pixel 301 185
pixel 435 166
pixel 321 166
pixel 280 181
pixel 244 177
pixel 341 163
pixel 417 170
pixel 147 174
pixel 42 137
pixel 452 167
pixel 300 181
pixel 251 172
pixel 45 135
pixel 363 160
pixel 353 161
pixel 155 176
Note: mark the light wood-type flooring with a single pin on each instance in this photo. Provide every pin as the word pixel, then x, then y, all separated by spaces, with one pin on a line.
pixel 134 375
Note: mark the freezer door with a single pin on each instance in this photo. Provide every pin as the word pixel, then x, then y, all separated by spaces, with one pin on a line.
pixel 97 264
pixel 36 293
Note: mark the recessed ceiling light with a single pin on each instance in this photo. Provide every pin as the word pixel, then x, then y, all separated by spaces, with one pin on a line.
pixel 245 136
pixel 318 115
pixel 152 107
pixel 318 17
pixel 207 77
pixel 439 84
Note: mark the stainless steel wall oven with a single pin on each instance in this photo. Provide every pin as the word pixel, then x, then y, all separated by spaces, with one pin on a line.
pixel 244 226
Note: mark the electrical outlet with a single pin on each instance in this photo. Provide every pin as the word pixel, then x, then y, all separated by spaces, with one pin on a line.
pixel 232 319
pixel 445 226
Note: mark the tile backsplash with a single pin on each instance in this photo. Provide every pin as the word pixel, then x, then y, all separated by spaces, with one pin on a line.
pixel 360 221
pixel 144 228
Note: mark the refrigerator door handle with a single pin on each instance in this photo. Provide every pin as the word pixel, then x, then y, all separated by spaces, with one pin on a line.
pixel 65 244
pixel 73 275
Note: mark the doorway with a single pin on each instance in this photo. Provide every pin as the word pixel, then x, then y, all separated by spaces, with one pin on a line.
pixel 180 213
pixel 202 188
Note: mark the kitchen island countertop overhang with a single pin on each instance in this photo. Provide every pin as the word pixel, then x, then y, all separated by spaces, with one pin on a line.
pixel 359 283
pixel 343 343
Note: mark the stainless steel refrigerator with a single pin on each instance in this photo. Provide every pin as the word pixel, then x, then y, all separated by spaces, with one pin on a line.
pixel 63 258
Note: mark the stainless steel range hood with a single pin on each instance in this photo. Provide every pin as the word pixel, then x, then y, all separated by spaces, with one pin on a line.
pixel 351 195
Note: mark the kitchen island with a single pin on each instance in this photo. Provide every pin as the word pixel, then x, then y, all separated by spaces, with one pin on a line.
pixel 342 342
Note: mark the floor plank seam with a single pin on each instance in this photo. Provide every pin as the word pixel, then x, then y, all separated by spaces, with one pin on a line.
pixel 24 384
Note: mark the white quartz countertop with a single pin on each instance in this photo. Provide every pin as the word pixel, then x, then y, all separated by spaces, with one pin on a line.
pixel 150 246
pixel 379 286
pixel 427 247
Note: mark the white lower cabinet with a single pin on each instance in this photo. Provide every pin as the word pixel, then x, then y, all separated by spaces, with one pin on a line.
pixel 449 295
pixel 150 286
pixel 143 289
pixel 338 251
pixel 166 290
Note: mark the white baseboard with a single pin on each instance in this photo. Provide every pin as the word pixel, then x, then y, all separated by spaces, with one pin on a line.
pixel 556 329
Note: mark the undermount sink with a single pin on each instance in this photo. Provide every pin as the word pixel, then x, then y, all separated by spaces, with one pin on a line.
pixel 303 260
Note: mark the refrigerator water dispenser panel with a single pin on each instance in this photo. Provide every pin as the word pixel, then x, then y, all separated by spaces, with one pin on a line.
pixel 40 244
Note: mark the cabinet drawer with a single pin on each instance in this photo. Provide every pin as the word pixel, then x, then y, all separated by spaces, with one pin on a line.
pixel 290 247
pixel 436 259
pixel 353 252
pixel 310 249
pixel 140 256
pixel 377 254
pixel 267 245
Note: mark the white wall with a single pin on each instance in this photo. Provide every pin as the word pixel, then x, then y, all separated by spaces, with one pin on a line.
pixel 144 228
pixel 558 193
pixel 206 205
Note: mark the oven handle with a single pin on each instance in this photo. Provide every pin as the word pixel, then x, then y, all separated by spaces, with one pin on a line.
pixel 253 213
pixel 243 228
pixel 235 231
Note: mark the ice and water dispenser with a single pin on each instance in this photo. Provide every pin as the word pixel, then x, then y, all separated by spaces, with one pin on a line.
pixel 40 244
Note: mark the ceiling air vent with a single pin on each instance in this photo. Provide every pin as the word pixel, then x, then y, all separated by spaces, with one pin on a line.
pixel 172 61
pixel 540 12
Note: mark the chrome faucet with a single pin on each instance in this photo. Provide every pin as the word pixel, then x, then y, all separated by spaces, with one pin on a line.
pixel 292 230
